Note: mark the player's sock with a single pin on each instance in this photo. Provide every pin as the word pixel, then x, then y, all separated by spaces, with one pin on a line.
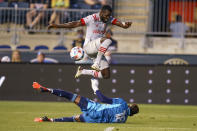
pixel 94 73
pixel 87 72
pixel 102 50
pixel 78 118
pixel 65 94
pixel 64 119
pixel 95 84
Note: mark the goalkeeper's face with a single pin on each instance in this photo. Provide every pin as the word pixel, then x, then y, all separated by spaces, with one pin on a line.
pixel 134 109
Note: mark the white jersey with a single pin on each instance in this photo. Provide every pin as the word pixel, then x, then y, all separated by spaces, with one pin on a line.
pixel 95 27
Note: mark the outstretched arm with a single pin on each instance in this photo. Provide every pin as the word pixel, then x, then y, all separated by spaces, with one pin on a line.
pixel 72 24
pixel 124 25
pixel 101 97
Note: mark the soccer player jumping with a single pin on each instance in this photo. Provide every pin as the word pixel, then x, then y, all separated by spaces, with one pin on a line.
pixel 96 44
pixel 115 110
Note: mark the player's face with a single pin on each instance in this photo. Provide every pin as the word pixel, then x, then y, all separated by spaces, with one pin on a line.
pixel 105 15
pixel 40 58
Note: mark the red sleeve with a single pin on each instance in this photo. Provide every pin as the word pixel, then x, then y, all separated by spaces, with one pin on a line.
pixel 114 21
pixel 83 22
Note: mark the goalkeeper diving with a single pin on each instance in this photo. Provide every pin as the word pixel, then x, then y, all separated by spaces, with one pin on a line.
pixel 116 110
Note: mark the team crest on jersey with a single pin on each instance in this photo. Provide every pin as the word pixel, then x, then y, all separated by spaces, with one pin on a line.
pixel 95 17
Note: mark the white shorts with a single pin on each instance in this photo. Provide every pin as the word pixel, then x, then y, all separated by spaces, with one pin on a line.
pixel 91 49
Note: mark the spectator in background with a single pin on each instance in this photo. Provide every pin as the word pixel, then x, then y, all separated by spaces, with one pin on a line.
pixel 80 39
pixel 42 59
pixel 89 4
pixel 112 47
pixel 12 3
pixel 106 2
pixel 178 28
pixel 36 10
pixel 16 57
pixel 5 59
pixel 58 4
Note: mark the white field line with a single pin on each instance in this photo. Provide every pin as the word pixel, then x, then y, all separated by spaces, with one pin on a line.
pixel 109 129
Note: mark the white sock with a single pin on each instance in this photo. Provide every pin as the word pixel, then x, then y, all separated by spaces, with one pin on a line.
pixel 93 73
pixel 102 50
pixel 87 72
pixel 95 84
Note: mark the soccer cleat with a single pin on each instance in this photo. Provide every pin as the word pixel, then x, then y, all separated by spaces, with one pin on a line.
pixel 95 85
pixel 37 86
pixel 95 66
pixel 79 72
pixel 43 119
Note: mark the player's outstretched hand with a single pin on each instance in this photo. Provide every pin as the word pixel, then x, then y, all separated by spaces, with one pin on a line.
pixel 52 26
pixel 127 24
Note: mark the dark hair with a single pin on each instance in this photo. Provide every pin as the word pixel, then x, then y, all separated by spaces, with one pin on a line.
pixel 134 109
pixel 178 18
pixel 40 53
pixel 106 7
pixel 109 31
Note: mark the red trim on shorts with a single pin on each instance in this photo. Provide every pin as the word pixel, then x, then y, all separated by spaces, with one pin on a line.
pixel 114 21
pixel 83 21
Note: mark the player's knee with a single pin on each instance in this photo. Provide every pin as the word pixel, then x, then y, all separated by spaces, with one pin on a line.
pixel 106 40
pixel 106 73
pixel 106 76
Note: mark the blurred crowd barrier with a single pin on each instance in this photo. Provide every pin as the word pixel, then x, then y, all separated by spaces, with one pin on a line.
pixel 151 18
pixel 15 19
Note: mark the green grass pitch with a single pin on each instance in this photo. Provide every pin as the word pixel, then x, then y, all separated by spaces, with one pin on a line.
pixel 19 116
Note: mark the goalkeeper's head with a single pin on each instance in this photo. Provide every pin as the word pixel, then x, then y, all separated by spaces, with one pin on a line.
pixel 134 109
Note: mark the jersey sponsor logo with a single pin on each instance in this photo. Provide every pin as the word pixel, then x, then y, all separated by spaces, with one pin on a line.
pixel 2 79
pixel 98 32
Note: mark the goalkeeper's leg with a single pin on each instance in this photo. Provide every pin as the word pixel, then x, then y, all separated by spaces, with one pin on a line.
pixel 81 101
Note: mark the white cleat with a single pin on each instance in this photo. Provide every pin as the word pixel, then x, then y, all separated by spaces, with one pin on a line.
pixel 79 72
pixel 95 84
pixel 95 66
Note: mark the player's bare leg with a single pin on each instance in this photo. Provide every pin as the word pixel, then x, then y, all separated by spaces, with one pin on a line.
pixel 77 99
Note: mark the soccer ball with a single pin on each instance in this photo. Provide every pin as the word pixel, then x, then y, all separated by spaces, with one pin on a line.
pixel 76 53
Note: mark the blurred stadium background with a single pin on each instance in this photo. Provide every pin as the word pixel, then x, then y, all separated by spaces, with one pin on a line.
pixel 154 61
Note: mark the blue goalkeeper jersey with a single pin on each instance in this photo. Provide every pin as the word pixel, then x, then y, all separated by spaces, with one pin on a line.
pixel 117 112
